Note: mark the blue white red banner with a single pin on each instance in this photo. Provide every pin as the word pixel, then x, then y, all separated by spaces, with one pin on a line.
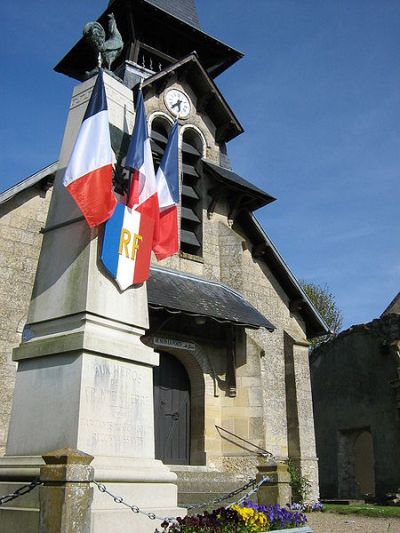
pixel 132 232
pixel 127 245
pixel 88 177
pixel 168 197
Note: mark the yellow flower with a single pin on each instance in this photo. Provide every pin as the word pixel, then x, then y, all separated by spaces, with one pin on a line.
pixel 254 520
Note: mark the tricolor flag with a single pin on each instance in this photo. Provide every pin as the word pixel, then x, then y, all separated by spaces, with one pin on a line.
pixel 132 232
pixel 88 177
pixel 139 159
pixel 168 198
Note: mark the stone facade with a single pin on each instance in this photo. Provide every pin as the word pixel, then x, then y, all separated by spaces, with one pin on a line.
pixel 21 220
pixel 355 384
pixel 272 408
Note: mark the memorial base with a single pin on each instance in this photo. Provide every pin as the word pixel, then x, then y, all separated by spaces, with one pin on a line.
pixel 100 405
pixel 147 484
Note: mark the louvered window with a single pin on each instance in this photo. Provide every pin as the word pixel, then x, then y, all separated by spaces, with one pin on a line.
pixel 159 136
pixel 191 199
pixel 191 230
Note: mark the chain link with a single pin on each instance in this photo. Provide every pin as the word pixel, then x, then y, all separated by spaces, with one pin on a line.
pixel 252 491
pixel 171 520
pixel 20 492
pixel 133 508
pixel 222 498
pixel 25 489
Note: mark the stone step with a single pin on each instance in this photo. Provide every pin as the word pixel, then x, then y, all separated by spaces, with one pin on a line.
pixel 204 485
pixel 344 502
pixel 189 498
pixel 198 486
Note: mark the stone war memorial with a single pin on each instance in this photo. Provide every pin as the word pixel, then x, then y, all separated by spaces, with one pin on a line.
pixel 164 391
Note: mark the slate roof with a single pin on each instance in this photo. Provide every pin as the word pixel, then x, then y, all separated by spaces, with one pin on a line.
pixel 257 197
pixel 184 10
pixel 177 291
pixel 28 182
pixel 146 22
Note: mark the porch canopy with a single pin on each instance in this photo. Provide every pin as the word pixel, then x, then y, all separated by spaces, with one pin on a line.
pixel 178 292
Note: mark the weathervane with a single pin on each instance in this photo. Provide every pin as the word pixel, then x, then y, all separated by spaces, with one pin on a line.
pixel 107 49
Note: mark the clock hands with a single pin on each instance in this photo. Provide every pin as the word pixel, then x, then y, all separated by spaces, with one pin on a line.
pixel 177 104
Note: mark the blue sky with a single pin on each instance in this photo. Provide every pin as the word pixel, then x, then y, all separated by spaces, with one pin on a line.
pixel 318 94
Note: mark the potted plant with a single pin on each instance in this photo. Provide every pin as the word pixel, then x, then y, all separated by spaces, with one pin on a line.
pixel 244 518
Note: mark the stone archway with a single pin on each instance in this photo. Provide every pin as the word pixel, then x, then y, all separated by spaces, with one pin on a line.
pixel 171 411
pixel 194 372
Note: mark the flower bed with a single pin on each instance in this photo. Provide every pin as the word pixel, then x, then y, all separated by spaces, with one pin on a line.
pixel 245 518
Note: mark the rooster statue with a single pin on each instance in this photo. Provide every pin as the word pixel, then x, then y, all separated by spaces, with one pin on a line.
pixel 107 49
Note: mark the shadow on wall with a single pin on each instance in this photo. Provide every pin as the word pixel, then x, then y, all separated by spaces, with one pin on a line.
pixel 356 464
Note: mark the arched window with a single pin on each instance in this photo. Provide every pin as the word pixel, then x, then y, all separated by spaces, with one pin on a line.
pixel 192 194
pixel 191 208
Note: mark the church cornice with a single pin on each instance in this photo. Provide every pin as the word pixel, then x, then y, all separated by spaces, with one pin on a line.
pixel 211 100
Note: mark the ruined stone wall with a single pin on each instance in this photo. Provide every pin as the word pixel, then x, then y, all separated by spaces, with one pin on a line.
pixel 354 381
pixel 21 219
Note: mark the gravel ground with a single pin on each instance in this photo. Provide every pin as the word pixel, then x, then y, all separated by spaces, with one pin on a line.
pixel 339 523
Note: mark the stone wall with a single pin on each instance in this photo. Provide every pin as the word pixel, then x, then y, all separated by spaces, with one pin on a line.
pixel 354 381
pixel 21 219
pixel 273 408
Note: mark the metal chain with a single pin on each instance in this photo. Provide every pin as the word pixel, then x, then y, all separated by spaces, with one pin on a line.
pixel 172 520
pixel 252 491
pixel 222 498
pixel 133 508
pixel 20 492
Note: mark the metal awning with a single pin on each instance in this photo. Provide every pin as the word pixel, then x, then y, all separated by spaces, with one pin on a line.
pixel 178 292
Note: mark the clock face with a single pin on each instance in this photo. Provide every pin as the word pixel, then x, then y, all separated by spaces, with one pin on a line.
pixel 177 103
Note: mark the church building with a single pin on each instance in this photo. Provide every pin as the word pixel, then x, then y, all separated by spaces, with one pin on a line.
pixel 227 316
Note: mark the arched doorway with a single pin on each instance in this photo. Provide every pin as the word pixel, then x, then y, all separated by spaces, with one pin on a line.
pixel 171 411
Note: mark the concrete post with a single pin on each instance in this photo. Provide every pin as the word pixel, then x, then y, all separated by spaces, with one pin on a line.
pixel 277 490
pixel 66 496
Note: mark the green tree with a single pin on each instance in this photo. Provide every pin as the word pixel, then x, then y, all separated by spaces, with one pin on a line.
pixel 324 302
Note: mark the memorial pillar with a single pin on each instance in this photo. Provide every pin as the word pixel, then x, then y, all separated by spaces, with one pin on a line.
pixel 85 379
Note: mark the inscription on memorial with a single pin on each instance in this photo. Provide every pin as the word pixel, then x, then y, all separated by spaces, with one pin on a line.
pixel 118 408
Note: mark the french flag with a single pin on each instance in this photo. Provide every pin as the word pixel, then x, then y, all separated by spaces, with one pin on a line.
pixel 168 198
pixel 88 177
pixel 131 233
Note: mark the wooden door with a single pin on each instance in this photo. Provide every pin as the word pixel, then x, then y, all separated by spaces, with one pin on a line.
pixel 171 411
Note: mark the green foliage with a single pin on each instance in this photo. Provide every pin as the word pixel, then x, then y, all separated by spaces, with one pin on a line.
pixel 324 302
pixel 300 485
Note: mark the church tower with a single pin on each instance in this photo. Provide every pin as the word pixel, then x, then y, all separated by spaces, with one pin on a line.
pixel 221 242
pixel 226 315
pixel 156 33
